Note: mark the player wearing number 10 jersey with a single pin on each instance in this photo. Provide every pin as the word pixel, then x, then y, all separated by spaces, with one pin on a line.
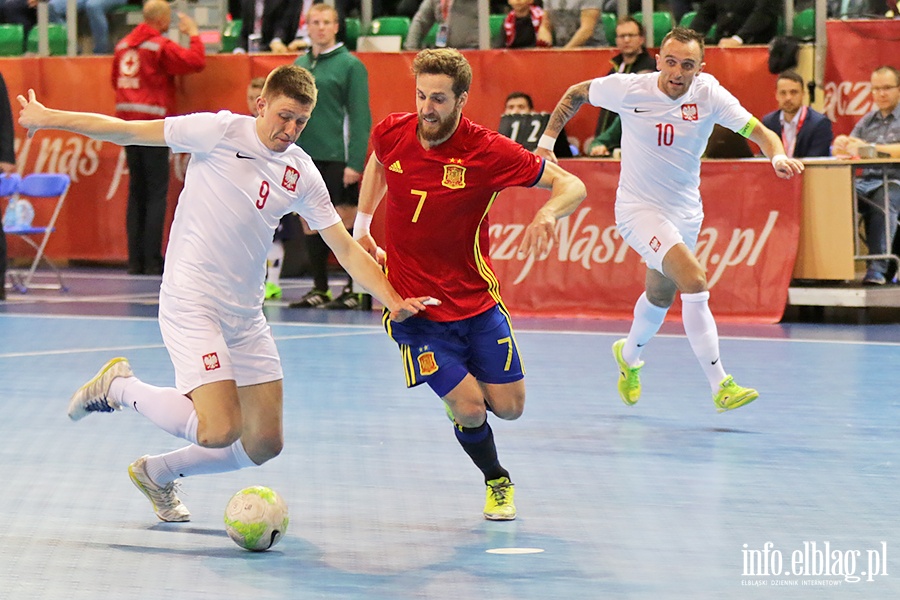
pixel 667 118
pixel 441 174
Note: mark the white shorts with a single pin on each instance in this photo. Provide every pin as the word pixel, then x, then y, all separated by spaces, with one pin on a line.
pixel 652 234
pixel 207 344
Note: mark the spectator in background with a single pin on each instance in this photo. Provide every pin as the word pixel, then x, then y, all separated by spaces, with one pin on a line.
pixel 859 9
pixel 680 8
pixel 572 24
pixel 268 25
pixel 520 28
pixel 7 166
pixel 612 6
pixel 520 103
pixel 632 58
pixel 804 131
pixel 879 133
pixel 738 22
pixel 343 87
pixel 96 13
pixel 19 12
pixel 143 75
pixel 457 24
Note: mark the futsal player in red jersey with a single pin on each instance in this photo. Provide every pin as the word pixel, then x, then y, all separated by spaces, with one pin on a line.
pixel 441 173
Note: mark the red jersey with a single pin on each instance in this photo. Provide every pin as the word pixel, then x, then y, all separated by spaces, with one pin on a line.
pixel 437 206
pixel 144 68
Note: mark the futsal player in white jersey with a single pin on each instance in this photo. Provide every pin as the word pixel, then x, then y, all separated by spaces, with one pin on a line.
pixel 667 118
pixel 244 174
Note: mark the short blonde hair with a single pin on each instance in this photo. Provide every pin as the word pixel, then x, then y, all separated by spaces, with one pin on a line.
pixel 292 81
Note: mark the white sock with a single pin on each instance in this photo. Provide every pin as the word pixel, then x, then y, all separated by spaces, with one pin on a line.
pixel 274 260
pixel 197 460
pixel 167 408
pixel 701 331
pixel 648 318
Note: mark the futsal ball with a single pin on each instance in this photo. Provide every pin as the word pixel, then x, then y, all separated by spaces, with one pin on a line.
pixel 256 518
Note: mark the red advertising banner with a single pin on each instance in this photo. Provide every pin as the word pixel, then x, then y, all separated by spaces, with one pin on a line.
pixel 856 48
pixel 92 223
pixel 747 245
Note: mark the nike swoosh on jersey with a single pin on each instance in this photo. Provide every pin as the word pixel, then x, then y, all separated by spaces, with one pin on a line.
pixel 641 110
pixel 239 155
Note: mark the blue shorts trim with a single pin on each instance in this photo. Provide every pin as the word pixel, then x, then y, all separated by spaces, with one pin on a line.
pixel 442 354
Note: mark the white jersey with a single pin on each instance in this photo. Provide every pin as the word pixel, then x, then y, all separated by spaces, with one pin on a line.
pixel 663 139
pixel 235 192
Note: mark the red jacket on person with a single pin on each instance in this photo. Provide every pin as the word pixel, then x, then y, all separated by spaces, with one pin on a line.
pixel 144 68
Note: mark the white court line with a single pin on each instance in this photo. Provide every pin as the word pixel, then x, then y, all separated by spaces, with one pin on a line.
pixel 145 298
pixel 130 319
pixel 518 331
pixel 735 338
pixel 121 349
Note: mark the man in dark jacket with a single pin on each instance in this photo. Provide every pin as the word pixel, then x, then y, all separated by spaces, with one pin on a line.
pixel 804 132
pixel 143 75
pixel 738 22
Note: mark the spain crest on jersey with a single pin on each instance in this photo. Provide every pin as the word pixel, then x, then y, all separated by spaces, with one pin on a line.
pixel 454 177
pixel 290 179
pixel 689 112
pixel 427 364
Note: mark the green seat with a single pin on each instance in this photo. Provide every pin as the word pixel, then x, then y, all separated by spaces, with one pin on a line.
pixel 56 38
pixel 688 18
pixel 231 34
pixel 609 27
pixel 12 39
pixel 431 37
pixel 352 28
pixel 390 26
pixel 495 23
pixel 662 24
pixel 805 25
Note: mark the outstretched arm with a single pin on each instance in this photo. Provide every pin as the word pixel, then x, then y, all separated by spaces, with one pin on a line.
pixel 365 271
pixel 566 192
pixel 565 109
pixel 35 116
pixel 772 147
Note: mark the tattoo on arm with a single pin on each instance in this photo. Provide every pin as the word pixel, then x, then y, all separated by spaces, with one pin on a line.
pixel 574 97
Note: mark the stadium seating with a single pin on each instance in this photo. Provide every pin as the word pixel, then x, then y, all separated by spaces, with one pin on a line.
pixel 56 38
pixel 805 25
pixel 352 28
pixel 389 26
pixel 662 24
pixel 12 39
pixel 231 34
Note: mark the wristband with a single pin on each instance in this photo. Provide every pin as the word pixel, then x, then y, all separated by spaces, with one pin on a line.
pixel 361 225
pixel 546 142
pixel 777 158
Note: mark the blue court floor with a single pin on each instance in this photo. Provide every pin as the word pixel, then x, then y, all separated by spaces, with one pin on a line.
pixel 793 496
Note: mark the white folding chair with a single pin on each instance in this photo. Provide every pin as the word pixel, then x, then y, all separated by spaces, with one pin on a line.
pixel 35 187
